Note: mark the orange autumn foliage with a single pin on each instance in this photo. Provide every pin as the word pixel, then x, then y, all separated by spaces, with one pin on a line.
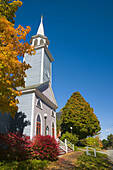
pixel 12 71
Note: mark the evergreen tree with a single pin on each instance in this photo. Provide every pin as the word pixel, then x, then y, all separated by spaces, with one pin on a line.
pixel 78 114
pixel 110 140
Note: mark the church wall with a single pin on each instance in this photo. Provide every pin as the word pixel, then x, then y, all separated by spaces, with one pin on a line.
pixel 47 67
pixel 34 73
pixel 45 109
pixel 25 106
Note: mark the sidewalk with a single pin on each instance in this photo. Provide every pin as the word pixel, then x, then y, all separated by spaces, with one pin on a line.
pixel 65 162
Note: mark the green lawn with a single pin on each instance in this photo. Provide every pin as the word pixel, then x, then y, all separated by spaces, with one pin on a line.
pixel 94 163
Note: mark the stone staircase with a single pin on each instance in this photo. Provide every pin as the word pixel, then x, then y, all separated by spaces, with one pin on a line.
pixel 65 147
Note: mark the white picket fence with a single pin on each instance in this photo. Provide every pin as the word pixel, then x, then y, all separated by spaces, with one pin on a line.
pixel 87 150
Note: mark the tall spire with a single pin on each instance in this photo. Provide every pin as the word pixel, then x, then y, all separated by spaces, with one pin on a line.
pixel 41 27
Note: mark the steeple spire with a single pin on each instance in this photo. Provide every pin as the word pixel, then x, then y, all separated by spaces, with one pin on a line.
pixel 41 27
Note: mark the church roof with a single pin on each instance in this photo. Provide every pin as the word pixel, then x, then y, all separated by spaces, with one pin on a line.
pixel 46 94
pixel 41 27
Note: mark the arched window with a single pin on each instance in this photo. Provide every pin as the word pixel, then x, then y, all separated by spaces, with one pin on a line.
pixel 53 114
pixel 41 41
pixel 53 129
pixel 39 103
pixel 38 126
pixel 35 42
pixel 47 130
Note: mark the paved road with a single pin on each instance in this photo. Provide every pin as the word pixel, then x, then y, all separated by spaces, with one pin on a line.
pixel 108 152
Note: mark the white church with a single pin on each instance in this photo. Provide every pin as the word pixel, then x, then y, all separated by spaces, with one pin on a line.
pixel 38 101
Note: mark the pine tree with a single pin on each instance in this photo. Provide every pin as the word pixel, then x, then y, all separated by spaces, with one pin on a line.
pixel 78 114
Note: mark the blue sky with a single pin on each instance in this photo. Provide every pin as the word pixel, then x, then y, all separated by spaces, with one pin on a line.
pixel 81 41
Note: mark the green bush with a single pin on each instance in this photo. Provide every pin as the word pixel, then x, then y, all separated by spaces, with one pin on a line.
pixel 70 137
pixel 91 141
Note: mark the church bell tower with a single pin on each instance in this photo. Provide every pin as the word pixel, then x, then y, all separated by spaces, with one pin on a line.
pixel 41 62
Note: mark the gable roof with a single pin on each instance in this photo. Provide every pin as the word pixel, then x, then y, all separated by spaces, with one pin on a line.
pixel 47 90
pixel 44 91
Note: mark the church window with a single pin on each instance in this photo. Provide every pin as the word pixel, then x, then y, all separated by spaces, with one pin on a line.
pixel 47 130
pixel 52 114
pixel 38 126
pixel 41 41
pixel 53 129
pixel 36 42
pixel 39 103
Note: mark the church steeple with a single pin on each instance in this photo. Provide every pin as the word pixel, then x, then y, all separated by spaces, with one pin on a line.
pixel 40 38
pixel 41 62
pixel 41 27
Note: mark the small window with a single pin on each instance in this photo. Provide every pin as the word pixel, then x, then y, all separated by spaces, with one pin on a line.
pixel 36 42
pixel 39 103
pixel 41 41
pixel 53 115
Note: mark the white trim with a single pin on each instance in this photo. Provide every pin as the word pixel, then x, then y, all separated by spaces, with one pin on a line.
pixel 51 73
pixel 28 91
pixel 36 121
pixel 42 66
pixel 32 115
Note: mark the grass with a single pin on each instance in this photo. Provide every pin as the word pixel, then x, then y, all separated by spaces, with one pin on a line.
pixel 90 162
pixel 23 165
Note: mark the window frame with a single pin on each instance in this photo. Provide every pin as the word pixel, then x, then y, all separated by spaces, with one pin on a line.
pixel 38 125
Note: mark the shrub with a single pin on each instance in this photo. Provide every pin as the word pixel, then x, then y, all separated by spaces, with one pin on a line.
pixel 27 164
pixel 13 146
pixel 44 147
pixel 70 137
pixel 82 142
pixel 95 142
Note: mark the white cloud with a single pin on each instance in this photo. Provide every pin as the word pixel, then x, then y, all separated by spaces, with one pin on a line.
pixel 107 130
